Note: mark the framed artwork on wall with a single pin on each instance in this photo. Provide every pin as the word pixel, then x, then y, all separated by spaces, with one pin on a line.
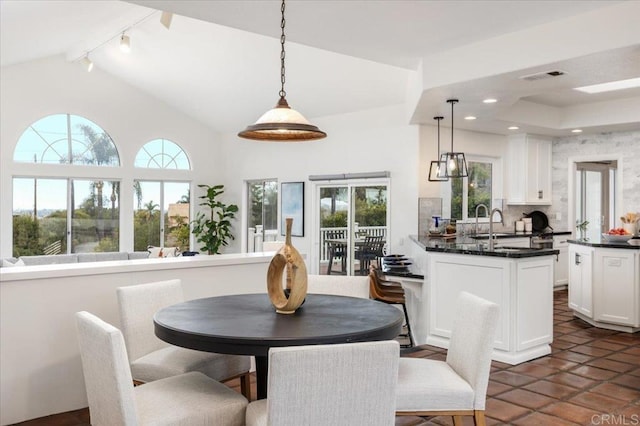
pixel 292 205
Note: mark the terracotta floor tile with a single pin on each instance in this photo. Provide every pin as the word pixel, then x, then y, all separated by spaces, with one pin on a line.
pixel 533 370
pixel 624 338
pixel 617 391
pixel 607 364
pixel 574 339
pixel 551 389
pixel 594 373
pixel 496 388
pixel 541 419
pixel 632 351
pixel 526 398
pixel 635 372
pixel 607 345
pixel 571 412
pixel 511 378
pixel 595 401
pixel 504 411
pixel 573 356
pixel 631 414
pixel 590 350
pixel 624 357
pixel 553 362
pixel 572 380
pixel 628 380
pixel 562 344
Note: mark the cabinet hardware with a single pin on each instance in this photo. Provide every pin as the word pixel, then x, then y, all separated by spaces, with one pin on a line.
pixel 577 259
pixel 540 194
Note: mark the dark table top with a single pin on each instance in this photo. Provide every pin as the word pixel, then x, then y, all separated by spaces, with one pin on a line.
pixel 248 324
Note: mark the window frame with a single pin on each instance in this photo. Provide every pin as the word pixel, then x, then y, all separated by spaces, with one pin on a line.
pixel 496 189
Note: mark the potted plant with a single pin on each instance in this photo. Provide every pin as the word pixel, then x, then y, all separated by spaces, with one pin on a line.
pixel 213 229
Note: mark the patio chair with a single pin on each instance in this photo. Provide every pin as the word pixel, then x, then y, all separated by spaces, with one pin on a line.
pixel 336 250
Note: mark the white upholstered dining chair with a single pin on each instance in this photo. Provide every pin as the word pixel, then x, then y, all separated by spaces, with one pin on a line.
pixel 458 386
pixel 338 385
pixel 341 285
pixel 186 399
pixel 153 359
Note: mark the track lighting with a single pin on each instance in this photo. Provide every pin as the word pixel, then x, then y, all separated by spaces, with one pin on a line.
pixel 165 19
pixel 125 43
pixel 88 64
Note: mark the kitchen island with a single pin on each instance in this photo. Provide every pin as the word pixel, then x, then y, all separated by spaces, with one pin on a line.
pixel 519 280
pixel 604 283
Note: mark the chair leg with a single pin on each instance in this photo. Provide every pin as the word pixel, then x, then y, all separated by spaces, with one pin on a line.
pixel 406 318
pixel 457 420
pixel 245 385
pixel 329 266
pixel 478 418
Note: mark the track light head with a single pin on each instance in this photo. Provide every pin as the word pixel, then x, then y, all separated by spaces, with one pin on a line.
pixel 88 64
pixel 125 43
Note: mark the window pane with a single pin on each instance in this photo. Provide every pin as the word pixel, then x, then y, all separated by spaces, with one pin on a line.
pixel 162 154
pixel 90 144
pixel 39 216
pixel 146 216
pixel 95 224
pixel 479 186
pixel 456 198
pixel 371 205
pixel 48 141
pixel 334 204
pixel 176 219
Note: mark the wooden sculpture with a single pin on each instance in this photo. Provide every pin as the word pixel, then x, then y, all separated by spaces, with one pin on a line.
pixel 286 302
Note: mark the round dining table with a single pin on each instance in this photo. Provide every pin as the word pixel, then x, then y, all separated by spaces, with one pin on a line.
pixel 247 324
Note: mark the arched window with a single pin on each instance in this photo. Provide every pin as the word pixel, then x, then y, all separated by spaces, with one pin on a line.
pixel 162 154
pixel 66 139
pixel 58 213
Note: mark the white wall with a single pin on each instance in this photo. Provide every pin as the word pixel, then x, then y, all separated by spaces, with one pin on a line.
pixel 366 141
pixel 32 90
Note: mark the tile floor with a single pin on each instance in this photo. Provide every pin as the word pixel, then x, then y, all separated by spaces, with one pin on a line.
pixel 592 377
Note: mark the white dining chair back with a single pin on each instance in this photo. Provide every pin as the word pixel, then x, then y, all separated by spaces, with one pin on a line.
pixel 151 358
pixel 341 285
pixel 187 399
pixel 337 385
pixel 457 386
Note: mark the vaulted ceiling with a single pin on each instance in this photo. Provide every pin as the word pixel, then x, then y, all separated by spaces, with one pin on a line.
pixel 219 61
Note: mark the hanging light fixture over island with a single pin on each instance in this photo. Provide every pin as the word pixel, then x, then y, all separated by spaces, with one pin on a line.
pixel 455 161
pixel 282 123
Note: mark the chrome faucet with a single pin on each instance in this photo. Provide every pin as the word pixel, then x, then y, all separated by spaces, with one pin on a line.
pixel 496 210
pixel 486 212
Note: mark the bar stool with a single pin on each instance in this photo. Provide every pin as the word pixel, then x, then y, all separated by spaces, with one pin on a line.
pixel 390 292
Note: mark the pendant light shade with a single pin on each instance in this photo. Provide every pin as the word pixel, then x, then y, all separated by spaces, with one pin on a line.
pixel 437 168
pixel 456 164
pixel 282 124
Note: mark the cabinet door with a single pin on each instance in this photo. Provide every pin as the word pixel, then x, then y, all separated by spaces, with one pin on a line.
pixel 615 286
pixel 529 177
pixel 543 171
pixel 580 279
pixel 561 270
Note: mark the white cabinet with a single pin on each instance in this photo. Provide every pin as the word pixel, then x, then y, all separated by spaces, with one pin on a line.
pixel 616 286
pixel 561 270
pixel 580 279
pixel 529 170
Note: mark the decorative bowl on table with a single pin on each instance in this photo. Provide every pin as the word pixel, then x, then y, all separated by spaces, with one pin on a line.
pixel 612 238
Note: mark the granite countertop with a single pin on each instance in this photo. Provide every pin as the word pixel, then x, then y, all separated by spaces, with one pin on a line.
pixel 485 236
pixel 601 242
pixel 466 245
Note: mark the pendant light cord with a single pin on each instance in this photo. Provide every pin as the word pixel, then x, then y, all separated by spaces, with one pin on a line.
pixel 282 52
pixel 452 102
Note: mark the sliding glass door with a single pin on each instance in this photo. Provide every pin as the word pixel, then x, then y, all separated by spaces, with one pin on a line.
pixel 351 226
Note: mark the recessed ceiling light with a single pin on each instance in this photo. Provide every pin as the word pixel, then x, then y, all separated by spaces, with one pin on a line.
pixel 576 131
pixel 490 101
pixel 470 117
pixel 513 127
pixel 610 86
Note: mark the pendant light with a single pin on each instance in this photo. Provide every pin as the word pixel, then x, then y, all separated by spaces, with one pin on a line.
pixel 282 123
pixel 456 165
pixel 437 168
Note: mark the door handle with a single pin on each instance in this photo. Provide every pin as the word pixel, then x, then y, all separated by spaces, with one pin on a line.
pixel 577 260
